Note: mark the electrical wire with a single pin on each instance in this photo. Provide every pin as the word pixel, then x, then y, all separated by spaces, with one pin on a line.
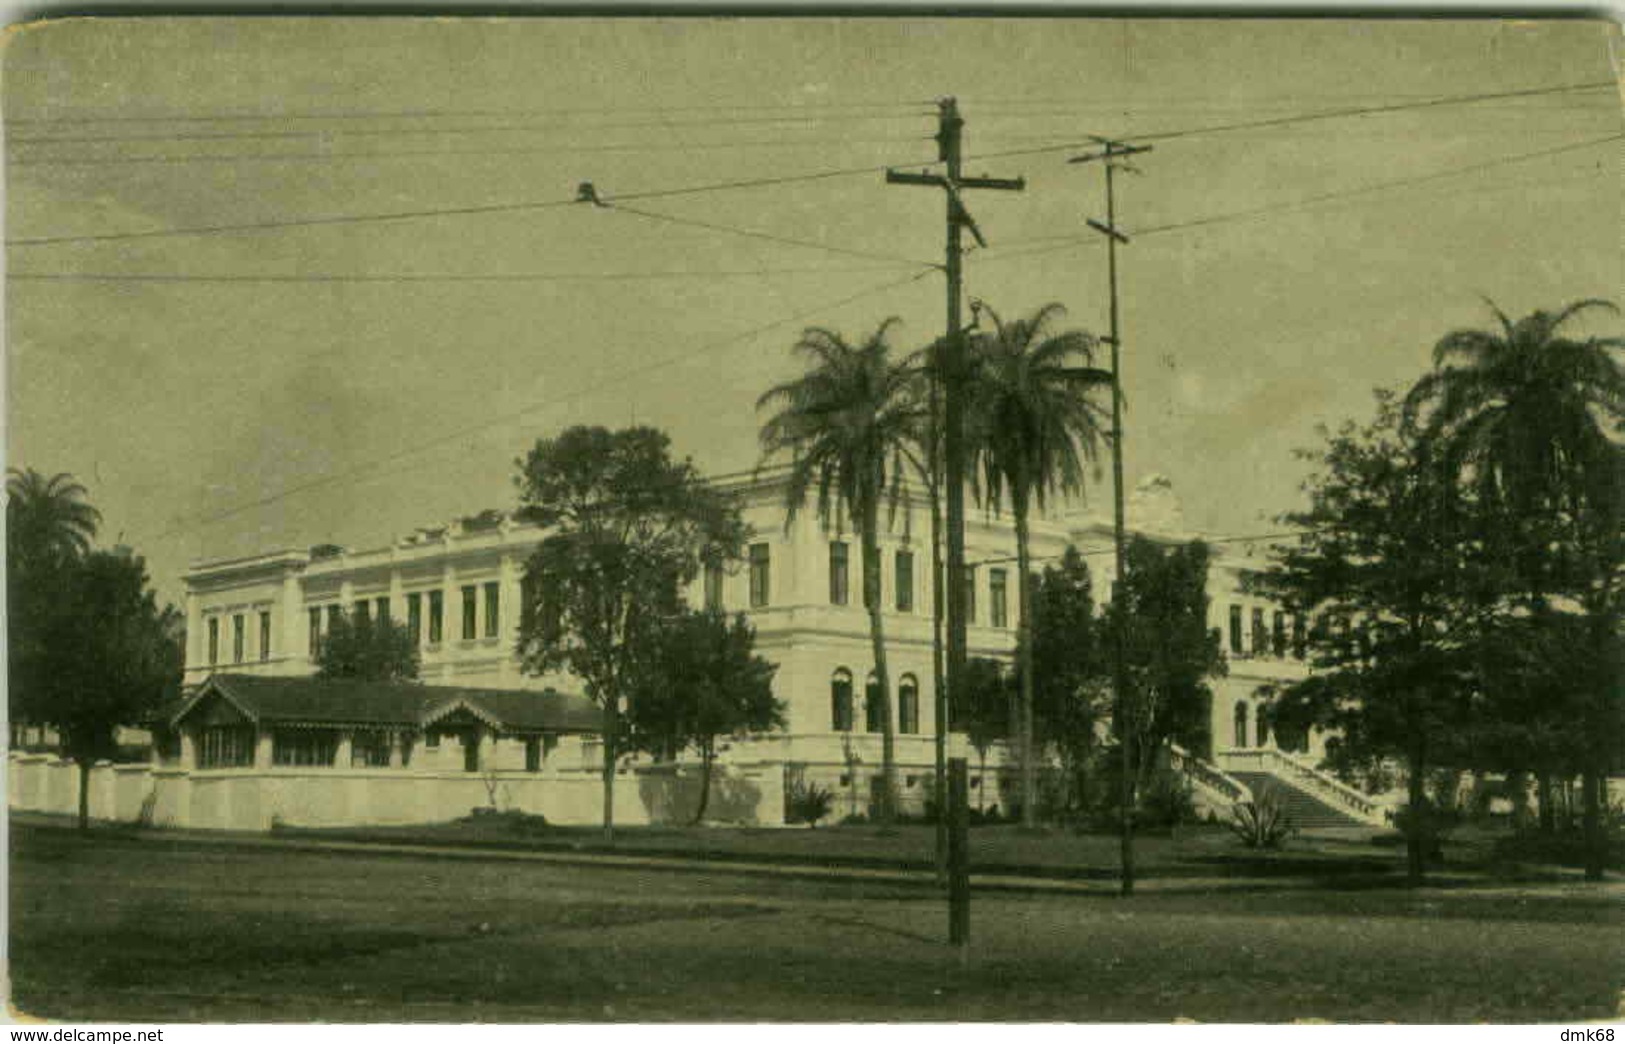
pixel 374 132
pixel 785 179
pixel 414 278
pixel 428 114
pixel 1063 242
pixel 405 215
pixel 1330 114
pixel 388 154
pixel 768 236
pixel 617 379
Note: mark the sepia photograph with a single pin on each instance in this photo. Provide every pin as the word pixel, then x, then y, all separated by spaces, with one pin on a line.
pixel 923 517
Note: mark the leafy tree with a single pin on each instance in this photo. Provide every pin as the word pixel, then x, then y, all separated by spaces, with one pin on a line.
pixel 1159 617
pixel 372 650
pixel 981 710
pixel 1070 676
pixel 706 683
pixel 629 527
pixel 1385 564
pixel 1034 423
pixel 107 655
pixel 846 424
pixel 1530 417
pixel 49 528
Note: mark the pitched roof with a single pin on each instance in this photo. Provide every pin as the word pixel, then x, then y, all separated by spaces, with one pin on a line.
pixel 313 701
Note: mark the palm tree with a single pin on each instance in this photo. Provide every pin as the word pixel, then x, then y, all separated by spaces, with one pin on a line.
pixel 47 519
pixel 925 455
pixel 1529 416
pixel 1033 425
pixel 845 423
pixel 48 526
pixel 1525 412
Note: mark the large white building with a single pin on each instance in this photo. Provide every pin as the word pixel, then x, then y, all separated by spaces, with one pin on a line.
pixel 457 587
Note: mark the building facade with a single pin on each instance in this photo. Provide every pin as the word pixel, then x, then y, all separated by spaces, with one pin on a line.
pixel 457 587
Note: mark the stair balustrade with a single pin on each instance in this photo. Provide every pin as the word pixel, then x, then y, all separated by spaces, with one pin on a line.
pixel 1310 780
pixel 1207 775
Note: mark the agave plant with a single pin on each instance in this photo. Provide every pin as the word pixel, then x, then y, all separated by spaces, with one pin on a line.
pixel 1262 822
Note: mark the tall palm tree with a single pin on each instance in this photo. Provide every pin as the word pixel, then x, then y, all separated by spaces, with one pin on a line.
pixel 1531 417
pixel 47 519
pixel 925 455
pixel 1525 412
pixel 1033 425
pixel 48 526
pixel 845 423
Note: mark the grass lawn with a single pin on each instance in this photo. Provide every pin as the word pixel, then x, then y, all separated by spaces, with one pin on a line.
pixel 1198 851
pixel 1202 852
pixel 110 927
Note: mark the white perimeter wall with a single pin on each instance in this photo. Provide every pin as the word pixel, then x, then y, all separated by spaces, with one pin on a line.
pixel 255 799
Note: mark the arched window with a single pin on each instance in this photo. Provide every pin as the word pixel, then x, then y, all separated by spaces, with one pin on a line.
pixel 1263 728
pixel 908 705
pixel 871 705
pixel 1241 724
pixel 840 700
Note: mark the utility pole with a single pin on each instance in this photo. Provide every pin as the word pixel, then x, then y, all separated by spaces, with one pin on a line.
pixel 1112 155
pixel 950 127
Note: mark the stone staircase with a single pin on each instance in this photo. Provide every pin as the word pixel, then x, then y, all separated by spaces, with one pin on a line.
pixel 1314 800
pixel 1306 811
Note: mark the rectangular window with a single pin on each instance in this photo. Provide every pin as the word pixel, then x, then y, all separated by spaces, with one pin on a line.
pixel 362 613
pixel 997 604
pixel 533 753
pixel 970 594
pixel 226 746
pixel 760 575
pixel 871 579
pixel 837 573
pixel 1278 634
pixel 903 580
pixel 1236 648
pixel 265 635
pixel 380 610
pixel 316 631
pixel 493 607
pixel 713 587
pixel 214 640
pixel 414 617
pixel 237 638
pixel 470 608
pixel 1300 635
pixel 437 616
pixel 334 611
pixel 1261 637
pixel 304 748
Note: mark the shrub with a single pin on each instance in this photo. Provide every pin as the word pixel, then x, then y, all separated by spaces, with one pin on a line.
pixel 807 802
pixel 1262 822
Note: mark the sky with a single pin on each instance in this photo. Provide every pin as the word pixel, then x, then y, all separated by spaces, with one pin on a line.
pixel 334 376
